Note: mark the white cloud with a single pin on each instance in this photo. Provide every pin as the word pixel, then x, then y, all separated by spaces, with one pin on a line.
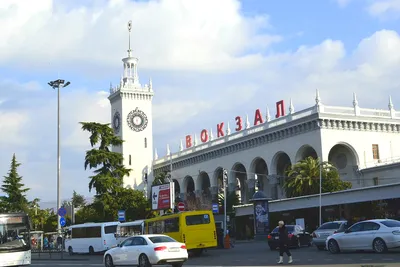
pixel 165 34
pixel 385 8
pixel 185 39
pixel 343 3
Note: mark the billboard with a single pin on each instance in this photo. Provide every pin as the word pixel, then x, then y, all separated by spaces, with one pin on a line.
pixel 261 217
pixel 163 196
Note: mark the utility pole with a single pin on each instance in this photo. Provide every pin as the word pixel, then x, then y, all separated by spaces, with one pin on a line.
pixel 58 84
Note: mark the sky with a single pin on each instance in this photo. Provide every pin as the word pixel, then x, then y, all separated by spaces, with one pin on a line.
pixel 209 61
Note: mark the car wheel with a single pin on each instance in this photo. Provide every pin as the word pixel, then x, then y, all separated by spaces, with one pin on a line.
pixel 379 246
pixel 144 261
pixel 91 250
pixel 333 246
pixel 70 251
pixel 108 262
pixel 320 247
pixel 177 264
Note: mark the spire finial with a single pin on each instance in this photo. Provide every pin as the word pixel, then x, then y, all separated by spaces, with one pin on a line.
pixel 390 103
pixel 211 135
pixel 291 107
pixel 168 150
pixel 247 122
pixel 317 97
pixel 268 116
pixel 129 45
pixel 155 154
pixel 355 101
pixel 181 146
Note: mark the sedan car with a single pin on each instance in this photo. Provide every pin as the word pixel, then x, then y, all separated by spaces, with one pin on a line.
pixel 377 235
pixel 147 250
pixel 329 228
pixel 297 237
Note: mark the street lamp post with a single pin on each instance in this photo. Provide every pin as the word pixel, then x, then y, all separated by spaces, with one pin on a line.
pixel 320 193
pixel 58 84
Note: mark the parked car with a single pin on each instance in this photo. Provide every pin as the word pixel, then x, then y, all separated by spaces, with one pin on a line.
pixel 297 237
pixel 329 228
pixel 147 250
pixel 377 235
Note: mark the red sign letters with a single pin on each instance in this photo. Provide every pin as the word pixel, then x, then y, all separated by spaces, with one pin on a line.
pixel 258 119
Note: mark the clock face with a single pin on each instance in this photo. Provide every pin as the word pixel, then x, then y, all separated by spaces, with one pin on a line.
pixel 137 120
pixel 116 122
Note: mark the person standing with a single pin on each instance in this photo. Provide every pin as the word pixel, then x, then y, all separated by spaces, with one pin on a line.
pixel 283 243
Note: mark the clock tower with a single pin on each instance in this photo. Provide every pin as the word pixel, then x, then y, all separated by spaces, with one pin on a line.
pixel 132 121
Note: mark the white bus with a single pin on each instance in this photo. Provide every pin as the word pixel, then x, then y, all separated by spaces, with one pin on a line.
pixel 15 243
pixel 91 237
pixel 128 229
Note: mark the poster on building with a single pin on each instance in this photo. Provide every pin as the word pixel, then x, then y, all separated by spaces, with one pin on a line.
pixel 162 196
pixel 261 217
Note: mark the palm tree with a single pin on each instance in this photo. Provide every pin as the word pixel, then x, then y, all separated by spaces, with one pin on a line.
pixel 303 177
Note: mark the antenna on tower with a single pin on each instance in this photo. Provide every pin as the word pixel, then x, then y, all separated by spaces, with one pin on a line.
pixel 129 29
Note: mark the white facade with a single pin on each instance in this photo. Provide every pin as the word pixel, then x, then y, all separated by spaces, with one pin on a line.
pixel 132 120
pixel 345 136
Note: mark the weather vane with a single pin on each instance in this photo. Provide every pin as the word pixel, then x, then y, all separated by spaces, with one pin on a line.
pixel 130 25
pixel 129 29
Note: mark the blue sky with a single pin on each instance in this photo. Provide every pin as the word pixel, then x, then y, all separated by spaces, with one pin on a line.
pixel 226 60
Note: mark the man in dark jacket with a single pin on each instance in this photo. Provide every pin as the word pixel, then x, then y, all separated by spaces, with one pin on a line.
pixel 283 243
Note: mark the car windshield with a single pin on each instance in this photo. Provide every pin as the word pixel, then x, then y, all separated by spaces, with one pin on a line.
pixel 290 229
pixel 330 226
pixel 161 239
pixel 391 223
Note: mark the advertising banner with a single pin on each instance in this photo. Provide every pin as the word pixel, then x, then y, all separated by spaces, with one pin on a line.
pixel 261 217
pixel 162 196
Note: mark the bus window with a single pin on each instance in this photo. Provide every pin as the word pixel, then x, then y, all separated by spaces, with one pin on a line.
pixel 156 227
pixel 197 219
pixel 111 229
pixel 171 225
pixel 86 232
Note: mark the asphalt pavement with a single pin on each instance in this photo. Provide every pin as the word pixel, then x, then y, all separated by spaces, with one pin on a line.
pixel 250 254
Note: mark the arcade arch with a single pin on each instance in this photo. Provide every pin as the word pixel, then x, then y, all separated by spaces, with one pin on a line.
pixel 177 188
pixel 218 179
pixel 305 152
pixel 344 158
pixel 189 187
pixel 239 174
pixel 260 169
pixel 282 163
pixel 204 184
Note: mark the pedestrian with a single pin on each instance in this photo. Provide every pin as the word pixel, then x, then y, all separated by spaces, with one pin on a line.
pixel 283 243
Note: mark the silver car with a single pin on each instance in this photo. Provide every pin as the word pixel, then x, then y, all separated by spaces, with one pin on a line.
pixel 377 235
pixel 329 228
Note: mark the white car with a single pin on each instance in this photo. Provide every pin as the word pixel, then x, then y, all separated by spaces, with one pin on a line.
pixel 377 235
pixel 147 250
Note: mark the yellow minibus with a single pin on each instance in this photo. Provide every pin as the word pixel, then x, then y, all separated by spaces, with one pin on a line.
pixel 194 228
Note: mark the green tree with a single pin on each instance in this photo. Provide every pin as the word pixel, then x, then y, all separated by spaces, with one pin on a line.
pixel 160 178
pixel 109 169
pixel 304 178
pixel 88 213
pixel 15 199
pixel 232 199
pixel 78 200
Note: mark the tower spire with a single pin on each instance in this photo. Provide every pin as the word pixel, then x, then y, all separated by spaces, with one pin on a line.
pixel 129 44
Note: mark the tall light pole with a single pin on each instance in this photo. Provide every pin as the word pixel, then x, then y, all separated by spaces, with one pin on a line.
pixel 58 84
pixel 320 193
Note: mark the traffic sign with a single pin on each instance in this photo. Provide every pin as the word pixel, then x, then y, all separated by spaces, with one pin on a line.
pixel 62 212
pixel 181 206
pixel 63 222
pixel 121 215
pixel 215 208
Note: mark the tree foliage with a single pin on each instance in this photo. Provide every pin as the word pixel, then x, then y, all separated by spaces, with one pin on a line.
pixel 304 178
pixel 15 199
pixel 78 200
pixel 109 169
pixel 107 180
pixel 232 199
